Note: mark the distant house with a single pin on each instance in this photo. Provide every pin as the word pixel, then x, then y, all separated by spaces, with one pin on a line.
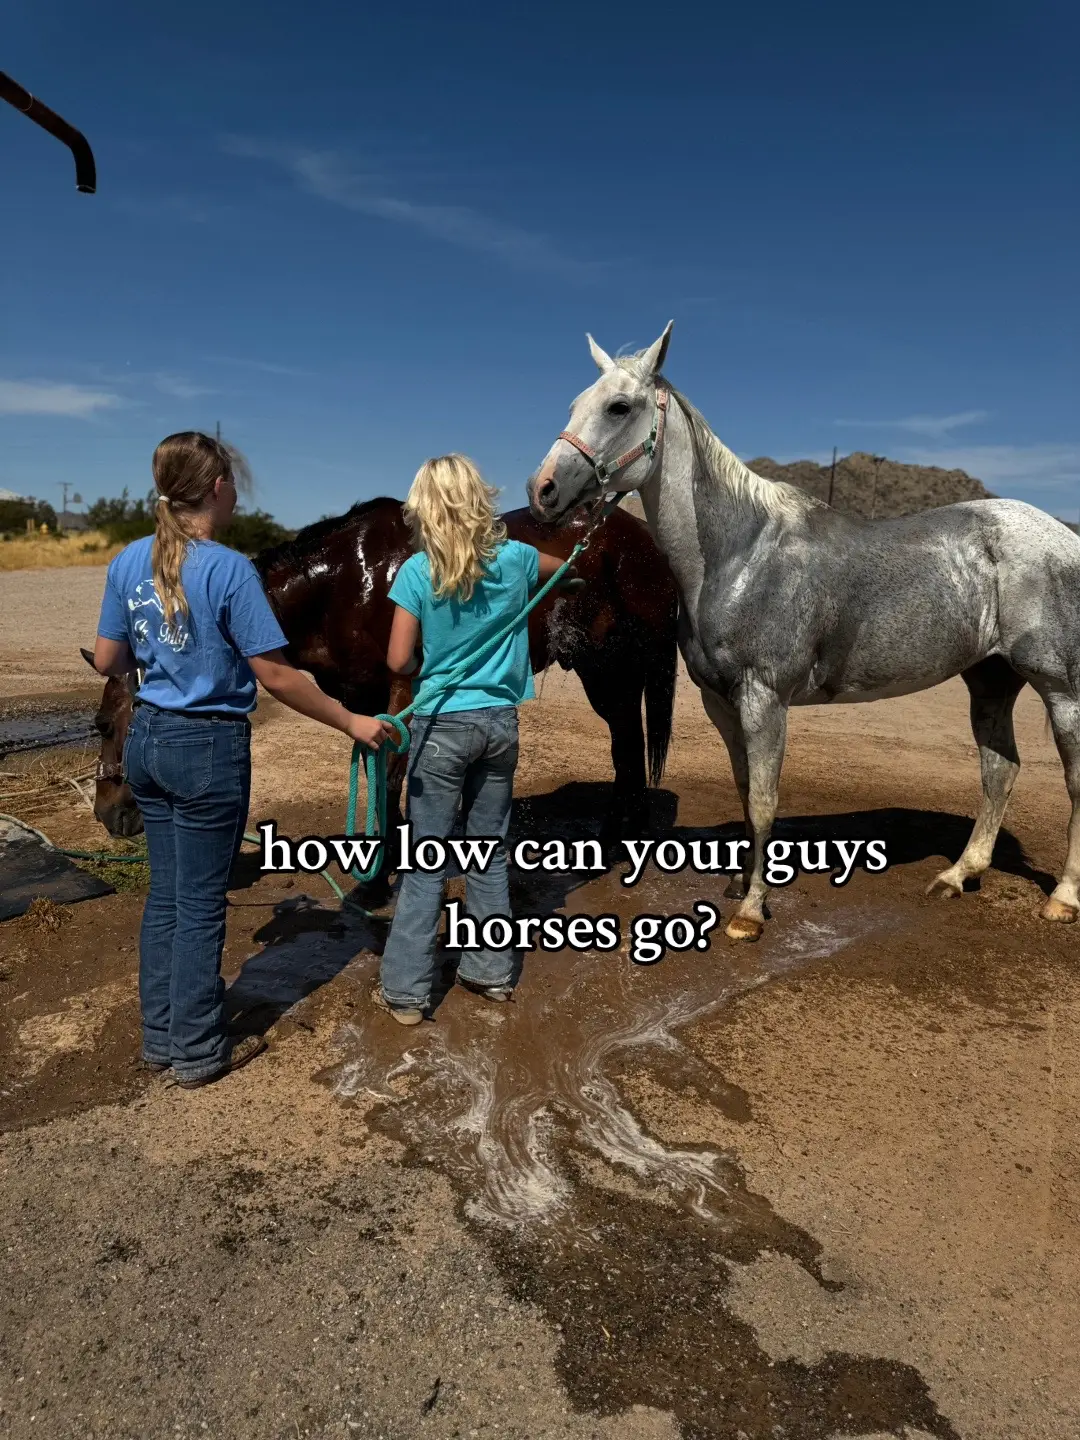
pixel 67 521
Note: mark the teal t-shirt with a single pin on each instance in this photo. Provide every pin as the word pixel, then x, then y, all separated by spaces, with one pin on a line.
pixel 450 629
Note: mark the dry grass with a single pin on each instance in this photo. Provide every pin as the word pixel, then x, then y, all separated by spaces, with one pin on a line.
pixel 47 552
pixel 45 914
pixel 33 784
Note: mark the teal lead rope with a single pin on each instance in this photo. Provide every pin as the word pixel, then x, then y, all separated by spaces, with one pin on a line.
pixel 375 761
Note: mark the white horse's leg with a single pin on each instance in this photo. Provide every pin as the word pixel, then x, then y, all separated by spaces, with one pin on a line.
pixel 1064 711
pixel 724 717
pixel 993 688
pixel 763 721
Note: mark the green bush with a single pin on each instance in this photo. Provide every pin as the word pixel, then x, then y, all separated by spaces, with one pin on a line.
pixel 15 513
pixel 124 520
pixel 121 519
pixel 250 533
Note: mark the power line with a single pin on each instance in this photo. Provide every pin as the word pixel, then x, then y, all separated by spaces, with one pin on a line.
pixel 877 459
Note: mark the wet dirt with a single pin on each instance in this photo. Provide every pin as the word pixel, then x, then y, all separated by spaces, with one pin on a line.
pixel 42 730
pixel 765 1191
pixel 622 1240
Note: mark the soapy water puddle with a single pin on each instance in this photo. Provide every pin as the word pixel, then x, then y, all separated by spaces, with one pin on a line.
pixel 492 1094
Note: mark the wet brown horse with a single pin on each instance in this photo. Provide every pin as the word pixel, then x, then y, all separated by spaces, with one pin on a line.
pixel 329 588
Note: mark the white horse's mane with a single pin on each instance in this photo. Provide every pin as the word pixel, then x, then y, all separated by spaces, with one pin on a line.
pixel 723 467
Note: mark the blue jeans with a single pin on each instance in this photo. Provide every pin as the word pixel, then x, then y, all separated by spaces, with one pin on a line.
pixel 191 778
pixel 467 757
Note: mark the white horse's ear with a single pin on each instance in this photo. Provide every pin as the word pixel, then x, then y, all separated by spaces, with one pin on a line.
pixel 604 362
pixel 656 354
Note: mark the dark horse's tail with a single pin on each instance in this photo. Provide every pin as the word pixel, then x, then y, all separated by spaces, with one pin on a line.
pixel 660 695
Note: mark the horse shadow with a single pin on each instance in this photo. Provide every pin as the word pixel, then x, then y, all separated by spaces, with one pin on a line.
pixel 909 837
pixel 575 811
pixel 306 945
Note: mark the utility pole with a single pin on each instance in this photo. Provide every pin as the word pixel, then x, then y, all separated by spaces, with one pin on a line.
pixel 832 475
pixel 877 459
pixel 65 485
pixel 217 432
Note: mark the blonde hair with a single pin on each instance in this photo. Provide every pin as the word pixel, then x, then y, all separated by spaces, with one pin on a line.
pixel 186 467
pixel 453 509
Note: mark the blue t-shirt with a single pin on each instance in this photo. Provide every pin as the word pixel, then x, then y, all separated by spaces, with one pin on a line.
pixel 450 629
pixel 199 664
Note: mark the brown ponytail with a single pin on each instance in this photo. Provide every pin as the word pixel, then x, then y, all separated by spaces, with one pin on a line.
pixel 186 468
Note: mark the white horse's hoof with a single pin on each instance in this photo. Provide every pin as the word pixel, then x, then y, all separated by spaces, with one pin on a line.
pixel 744 927
pixel 945 887
pixel 1059 911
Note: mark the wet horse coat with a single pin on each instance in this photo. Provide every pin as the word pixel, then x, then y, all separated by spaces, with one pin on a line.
pixel 787 602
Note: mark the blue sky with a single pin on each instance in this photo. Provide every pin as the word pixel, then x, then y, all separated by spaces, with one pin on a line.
pixel 361 235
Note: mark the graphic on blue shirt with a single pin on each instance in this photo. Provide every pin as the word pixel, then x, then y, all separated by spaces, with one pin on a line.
pixel 146 598
pixel 452 629
pixel 200 662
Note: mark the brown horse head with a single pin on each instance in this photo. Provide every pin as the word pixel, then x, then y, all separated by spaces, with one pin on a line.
pixel 114 804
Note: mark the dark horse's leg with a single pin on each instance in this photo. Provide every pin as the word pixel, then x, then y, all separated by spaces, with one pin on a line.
pixel 615 692
pixel 993 686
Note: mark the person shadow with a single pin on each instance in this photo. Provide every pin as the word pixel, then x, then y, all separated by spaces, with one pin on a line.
pixel 307 942
pixel 304 945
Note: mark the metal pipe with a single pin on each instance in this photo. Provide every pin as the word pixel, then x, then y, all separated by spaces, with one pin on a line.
pixel 77 143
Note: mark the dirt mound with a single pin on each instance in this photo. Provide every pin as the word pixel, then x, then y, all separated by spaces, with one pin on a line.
pixel 896 489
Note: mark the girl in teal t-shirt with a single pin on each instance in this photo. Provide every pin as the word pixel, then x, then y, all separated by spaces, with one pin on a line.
pixel 466 581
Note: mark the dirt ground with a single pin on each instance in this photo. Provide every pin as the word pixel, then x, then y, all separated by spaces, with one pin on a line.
pixel 821 1186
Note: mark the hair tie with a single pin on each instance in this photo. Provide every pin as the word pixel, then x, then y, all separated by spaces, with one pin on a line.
pixel 163 500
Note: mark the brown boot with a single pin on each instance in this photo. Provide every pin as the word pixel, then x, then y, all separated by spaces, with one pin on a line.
pixel 403 1017
pixel 243 1051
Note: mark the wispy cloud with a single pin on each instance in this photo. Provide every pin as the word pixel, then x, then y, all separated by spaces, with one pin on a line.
pixel 185 208
pixel 44 397
pixel 932 426
pixel 1009 467
pixel 266 367
pixel 179 388
pixel 332 177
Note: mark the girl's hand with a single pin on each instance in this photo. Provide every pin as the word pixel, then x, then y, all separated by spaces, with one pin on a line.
pixel 571 582
pixel 369 731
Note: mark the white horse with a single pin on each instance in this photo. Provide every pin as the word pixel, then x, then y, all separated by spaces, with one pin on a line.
pixel 787 602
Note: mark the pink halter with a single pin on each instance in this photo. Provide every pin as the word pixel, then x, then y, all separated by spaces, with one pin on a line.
pixel 648 446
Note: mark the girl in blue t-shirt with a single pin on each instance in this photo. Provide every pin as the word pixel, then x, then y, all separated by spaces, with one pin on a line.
pixel 192 615
pixel 466 581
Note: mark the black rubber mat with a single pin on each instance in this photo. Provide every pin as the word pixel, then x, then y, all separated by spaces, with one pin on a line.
pixel 29 868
